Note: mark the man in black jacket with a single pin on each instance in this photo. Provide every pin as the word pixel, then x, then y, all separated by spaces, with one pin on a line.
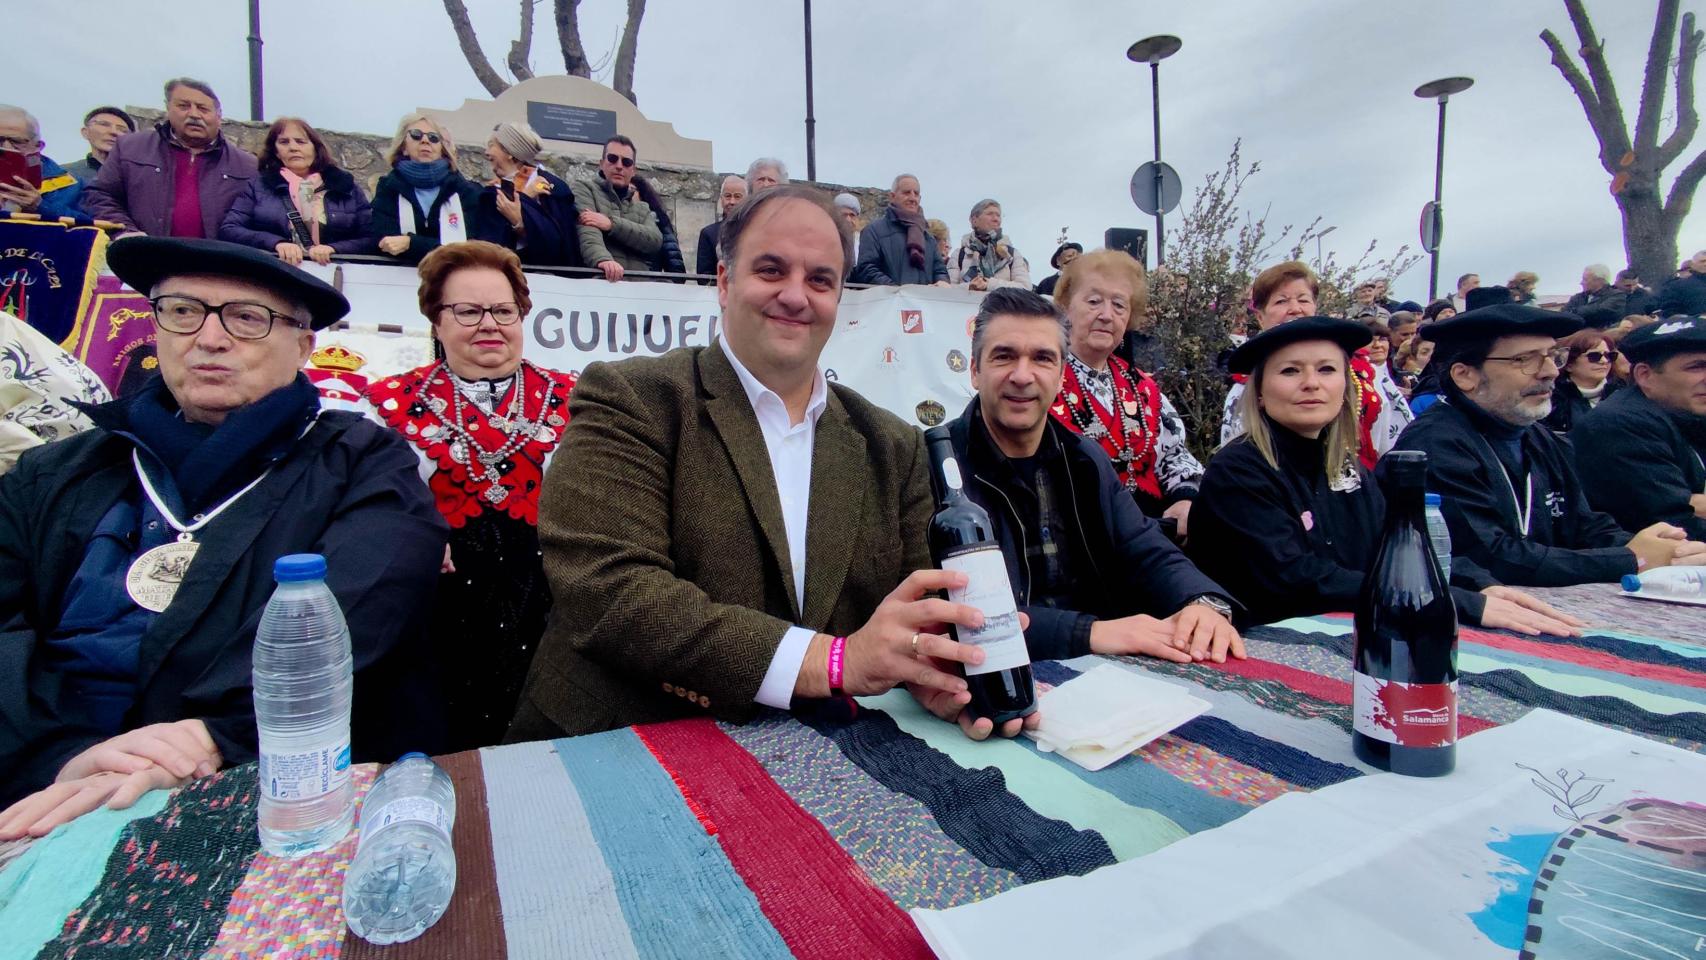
pixel 1686 292
pixel 897 248
pixel 136 558
pixel 1508 491
pixel 1640 453
pixel 1093 572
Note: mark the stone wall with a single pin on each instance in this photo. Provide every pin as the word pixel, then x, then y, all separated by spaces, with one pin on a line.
pixel 691 195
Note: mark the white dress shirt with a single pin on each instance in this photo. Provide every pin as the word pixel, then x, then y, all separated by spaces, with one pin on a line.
pixel 790 445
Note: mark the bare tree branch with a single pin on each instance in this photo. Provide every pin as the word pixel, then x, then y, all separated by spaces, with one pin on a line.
pixel 569 38
pixel 1687 120
pixel 470 45
pixel 1584 92
pixel 1653 84
pixel 1593 58
pixel 520 50
pixel 623 79
pixel 1681 196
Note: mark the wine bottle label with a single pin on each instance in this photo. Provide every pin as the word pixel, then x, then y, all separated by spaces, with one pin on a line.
pixel 400 810
pixel 988 590
pixel 304 774
pixel 1405 714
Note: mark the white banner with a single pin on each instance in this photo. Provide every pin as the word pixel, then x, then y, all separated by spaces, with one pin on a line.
pixel 906 349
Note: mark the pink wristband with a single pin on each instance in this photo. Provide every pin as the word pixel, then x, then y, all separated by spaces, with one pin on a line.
pixel 837 662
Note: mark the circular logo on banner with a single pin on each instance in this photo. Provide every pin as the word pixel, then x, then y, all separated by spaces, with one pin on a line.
pixel 930 413
pixel 971 324
pixel 956 361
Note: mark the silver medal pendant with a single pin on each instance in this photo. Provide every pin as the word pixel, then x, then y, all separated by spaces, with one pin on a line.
pixel 153 578
pixel 459 452
pixel 502 423
pixel 495 494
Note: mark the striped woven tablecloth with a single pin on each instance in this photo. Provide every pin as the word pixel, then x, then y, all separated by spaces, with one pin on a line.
pixel 787 836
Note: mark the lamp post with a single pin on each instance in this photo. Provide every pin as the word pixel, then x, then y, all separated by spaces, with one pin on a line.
pixel 1153 50
pixel 1320 260
pixel 255 111
pixel 1433 220
pixel 811 122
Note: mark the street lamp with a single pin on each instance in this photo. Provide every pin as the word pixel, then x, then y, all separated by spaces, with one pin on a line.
pixel 1320 260
pixel 811 121
pixel 1153 50
pixel 1433 221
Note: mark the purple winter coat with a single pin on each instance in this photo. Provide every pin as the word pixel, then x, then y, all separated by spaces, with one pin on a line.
pixel 261 216
pixel 134 186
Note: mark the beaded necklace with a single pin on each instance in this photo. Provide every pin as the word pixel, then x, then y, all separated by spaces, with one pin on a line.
pixel 1133 438
pixel 513 423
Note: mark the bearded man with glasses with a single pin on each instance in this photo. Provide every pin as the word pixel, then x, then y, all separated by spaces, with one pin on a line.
pixel 136 557
pixel 1509 492
pixel 619 229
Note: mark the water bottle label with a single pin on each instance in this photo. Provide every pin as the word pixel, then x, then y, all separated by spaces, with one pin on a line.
pixel 305 774
pixel 988 590
pixel 1406 714
pixel 402 810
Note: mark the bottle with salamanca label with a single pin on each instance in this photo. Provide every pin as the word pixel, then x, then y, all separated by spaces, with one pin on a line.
pixel 1404 662
pixel 962 538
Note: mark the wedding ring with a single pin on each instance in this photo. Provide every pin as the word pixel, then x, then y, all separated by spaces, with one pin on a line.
pixel 915 644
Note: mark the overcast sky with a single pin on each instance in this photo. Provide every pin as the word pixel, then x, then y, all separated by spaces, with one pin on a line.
pixel 1034 104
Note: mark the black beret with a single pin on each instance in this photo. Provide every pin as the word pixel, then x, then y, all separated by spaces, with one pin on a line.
pixel 1054 261
pixel 1660 341
pixel 1254 351
pixel 142 262
pixel 1501 320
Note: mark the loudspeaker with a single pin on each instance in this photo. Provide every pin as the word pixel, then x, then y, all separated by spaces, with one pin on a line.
pixel 1130 239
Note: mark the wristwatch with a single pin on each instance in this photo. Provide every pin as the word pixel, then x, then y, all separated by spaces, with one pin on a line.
pixel 1212 602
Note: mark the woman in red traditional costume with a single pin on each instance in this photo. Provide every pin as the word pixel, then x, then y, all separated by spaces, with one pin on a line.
pixel 1117 405
pixel 484 423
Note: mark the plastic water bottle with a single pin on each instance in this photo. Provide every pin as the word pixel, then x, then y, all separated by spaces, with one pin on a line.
pixel 303 683
pixel 1677 583
pixel 1438 534
pixel 404 870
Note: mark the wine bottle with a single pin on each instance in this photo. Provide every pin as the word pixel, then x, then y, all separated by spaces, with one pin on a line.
pixel 1404 664
pixel 963 539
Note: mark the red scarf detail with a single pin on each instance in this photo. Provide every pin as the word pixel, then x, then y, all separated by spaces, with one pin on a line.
pixel 1131 435
pixel 403 401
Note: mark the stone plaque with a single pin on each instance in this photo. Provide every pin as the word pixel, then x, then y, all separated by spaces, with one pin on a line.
pixel 559 121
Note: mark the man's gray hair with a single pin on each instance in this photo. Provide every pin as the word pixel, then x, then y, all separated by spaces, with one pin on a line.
pixel 847 201
pixel 1016 302
pixel 8 110
pixel 194 84
pixel 904 176
pixel 733 176
pixel 766 163
pixel 1599 270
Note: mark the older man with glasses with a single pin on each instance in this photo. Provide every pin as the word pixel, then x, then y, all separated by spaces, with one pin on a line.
pixel 136 557
pixel 49 190
pixel 1510 495
pixel 619 230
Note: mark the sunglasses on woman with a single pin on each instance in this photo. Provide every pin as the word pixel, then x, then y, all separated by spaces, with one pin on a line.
pixel 419 135
pixel 1600 356
pixel 618 158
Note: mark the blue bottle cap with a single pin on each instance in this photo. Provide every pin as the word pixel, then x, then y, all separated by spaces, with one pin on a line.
pixel 299 567
pixel 1631 583
pixel 412 755
pixel 1430 499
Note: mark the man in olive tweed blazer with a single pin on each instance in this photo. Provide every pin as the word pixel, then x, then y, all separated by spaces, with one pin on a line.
pixel 666 537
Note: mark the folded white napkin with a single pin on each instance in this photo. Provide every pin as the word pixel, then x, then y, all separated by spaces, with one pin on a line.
pixel 1106 713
